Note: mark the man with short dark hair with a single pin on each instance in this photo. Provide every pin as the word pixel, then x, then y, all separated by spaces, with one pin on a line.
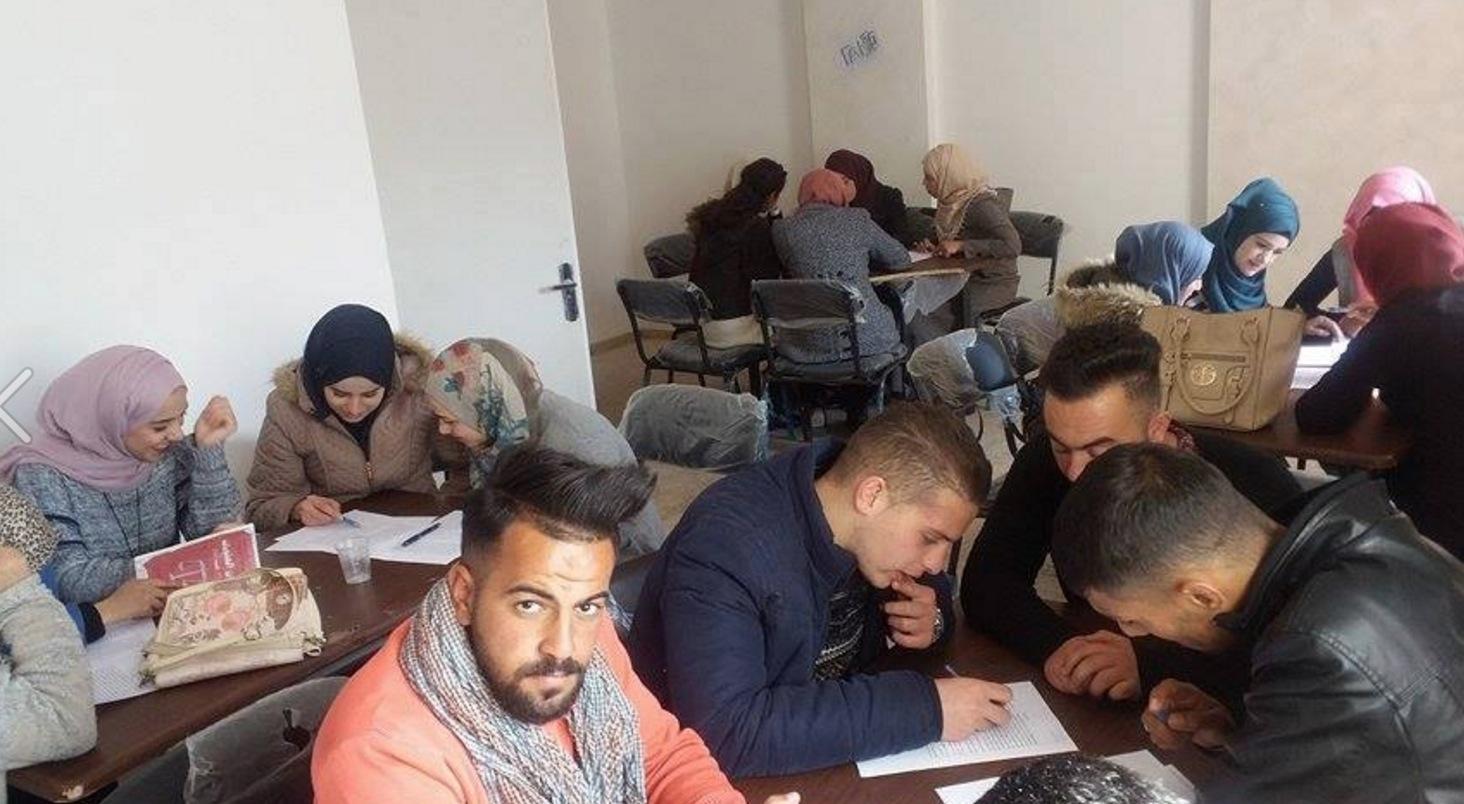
pixel 1356 624
pixel 1102 389
pixel 509 684
pixel 778 589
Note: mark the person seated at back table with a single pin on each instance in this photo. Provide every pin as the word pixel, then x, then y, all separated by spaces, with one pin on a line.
pixel 1336 270
pixel 116 477
pixel 1153 264
pixel 509 684
pixel 734 248
pixel 885 204
pixel 761 617
pixel 1075 779
pixel 971 222
pixel 1256 227
pixel 346 420
pixel 825 239
pixel 1102 389
pixel 1411 258
pixel 1355 624
pixel 487 396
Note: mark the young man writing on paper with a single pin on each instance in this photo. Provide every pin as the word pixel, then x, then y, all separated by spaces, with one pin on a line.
pixel 509 685
pixel 770 600
pixel 1356 624
pixel 1102 389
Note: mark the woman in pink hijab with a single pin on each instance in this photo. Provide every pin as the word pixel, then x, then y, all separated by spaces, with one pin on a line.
pixel 114 473
pixel 1337 269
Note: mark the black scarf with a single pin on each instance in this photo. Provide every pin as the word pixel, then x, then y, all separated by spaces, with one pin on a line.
pixel 351 340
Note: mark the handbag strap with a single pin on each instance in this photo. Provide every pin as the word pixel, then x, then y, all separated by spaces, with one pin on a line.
pixel 1236 383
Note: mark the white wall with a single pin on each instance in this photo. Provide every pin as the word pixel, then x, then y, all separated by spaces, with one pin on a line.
pixel 192 177
pixel 464 121
pixel 698 84
pixel 1321 93
pixel 1094 111
pixel 872 101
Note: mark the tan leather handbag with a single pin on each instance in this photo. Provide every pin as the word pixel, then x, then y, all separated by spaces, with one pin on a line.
pixel 1226 370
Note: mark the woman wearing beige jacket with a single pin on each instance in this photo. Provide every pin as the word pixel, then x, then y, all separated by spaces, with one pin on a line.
pixel 346 420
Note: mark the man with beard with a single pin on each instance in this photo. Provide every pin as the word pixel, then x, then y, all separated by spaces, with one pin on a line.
pixel 509 684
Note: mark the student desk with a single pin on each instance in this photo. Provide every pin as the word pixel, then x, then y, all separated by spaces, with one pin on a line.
pixel 930 266
pixel 1373 443
pixel 1099 729
pixel 356 620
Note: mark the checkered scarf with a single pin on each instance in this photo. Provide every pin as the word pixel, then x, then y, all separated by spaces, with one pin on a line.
pixel 521 763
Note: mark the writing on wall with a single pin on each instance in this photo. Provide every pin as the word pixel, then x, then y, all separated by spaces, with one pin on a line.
pixel 859 50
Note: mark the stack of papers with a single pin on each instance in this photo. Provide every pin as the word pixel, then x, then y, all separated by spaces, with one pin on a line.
pixel 1033 731
pixel 116 661
pixel 386 534
pixel 1143 763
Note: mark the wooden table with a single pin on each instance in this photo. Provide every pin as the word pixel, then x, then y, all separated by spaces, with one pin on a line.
pixel 1373 443
pixel 1098 728
pixel 930 266
pixel 356 620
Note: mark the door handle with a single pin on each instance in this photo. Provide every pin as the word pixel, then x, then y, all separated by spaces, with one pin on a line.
pixel 567 287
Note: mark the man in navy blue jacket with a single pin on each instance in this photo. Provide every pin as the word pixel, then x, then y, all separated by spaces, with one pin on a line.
pixel 783 583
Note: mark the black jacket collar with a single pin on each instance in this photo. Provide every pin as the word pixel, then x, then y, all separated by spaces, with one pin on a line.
pixel 1329 519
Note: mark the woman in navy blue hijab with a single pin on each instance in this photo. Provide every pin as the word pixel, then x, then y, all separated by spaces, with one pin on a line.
pixel 1252 231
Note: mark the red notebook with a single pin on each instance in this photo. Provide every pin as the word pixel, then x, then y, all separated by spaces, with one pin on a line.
pixel 212 558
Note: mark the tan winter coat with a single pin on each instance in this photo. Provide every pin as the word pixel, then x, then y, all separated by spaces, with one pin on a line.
pixel 299 455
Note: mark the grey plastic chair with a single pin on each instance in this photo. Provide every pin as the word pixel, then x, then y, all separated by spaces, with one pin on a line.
pixel 701 428
pixel 258 755
pixel 670 255
pixel 808 305
pixel 683 305
pixel 1041 236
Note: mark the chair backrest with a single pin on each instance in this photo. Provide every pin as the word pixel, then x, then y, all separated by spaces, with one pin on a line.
pixel 702 428
pixel 262 752
pixel 940 372
pixel 1041 237
pixel 670 255
pixel 807 304
pixel 990 366
pixel 665 301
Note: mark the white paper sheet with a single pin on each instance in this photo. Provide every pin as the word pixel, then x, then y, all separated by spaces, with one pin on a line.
pixel 1143 763
pixel 379 529
pixel 965 792
pixel 116 659
pixel 441 546
pixel 1033 731
pixel 1322 355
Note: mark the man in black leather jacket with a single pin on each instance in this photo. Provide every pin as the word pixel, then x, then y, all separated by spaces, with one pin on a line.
pixel 1355 622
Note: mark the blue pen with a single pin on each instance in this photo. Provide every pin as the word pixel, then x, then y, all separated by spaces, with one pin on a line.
pixel 419 534
pixel 349 521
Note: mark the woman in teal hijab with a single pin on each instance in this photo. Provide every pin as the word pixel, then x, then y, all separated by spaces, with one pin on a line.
pixel 1252 231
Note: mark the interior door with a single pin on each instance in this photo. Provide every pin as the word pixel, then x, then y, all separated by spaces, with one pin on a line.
pixel 466 143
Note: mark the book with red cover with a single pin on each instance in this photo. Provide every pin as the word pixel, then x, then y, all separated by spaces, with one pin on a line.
pixel 215 557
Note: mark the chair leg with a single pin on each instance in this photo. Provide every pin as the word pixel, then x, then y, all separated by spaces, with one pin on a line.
pixel 670 376
pixel 754 380
pixel 646 377
pixel 701 380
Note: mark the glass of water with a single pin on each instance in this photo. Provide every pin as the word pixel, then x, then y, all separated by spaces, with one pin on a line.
pixel 355 556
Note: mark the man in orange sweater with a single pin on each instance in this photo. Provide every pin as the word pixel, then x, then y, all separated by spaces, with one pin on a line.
pixel 509 685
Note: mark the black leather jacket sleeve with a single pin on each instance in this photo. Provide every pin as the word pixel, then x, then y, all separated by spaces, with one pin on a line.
pixel 1316 729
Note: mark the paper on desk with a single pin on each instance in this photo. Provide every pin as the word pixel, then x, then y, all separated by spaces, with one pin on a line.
pixel 116 661
pixel 1033 731
pixel 441 546
pixel 917 256
pixel 1143 763
pixel 379 529
pixel 1321 354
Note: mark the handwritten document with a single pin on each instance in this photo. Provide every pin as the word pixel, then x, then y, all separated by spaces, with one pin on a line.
pixel 1033 731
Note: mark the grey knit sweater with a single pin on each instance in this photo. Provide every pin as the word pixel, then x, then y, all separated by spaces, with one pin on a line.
pixel 45 681
pixel 190 491
pixel 821 241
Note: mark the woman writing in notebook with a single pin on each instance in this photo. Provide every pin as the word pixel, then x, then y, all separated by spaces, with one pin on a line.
pixel 116 476
pixel 345 420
